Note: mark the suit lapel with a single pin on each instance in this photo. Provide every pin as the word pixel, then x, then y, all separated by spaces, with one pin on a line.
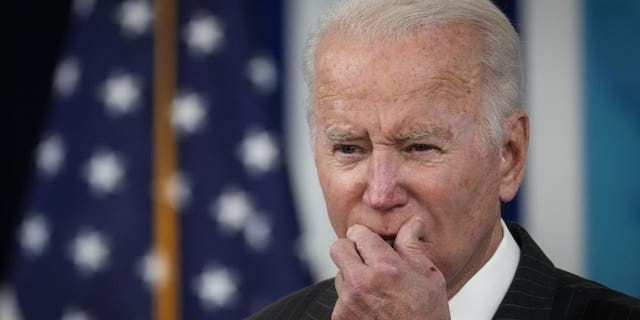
pixel 322 307
pixel 534 285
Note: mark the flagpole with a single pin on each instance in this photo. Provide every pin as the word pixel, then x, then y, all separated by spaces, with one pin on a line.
pixel 166 305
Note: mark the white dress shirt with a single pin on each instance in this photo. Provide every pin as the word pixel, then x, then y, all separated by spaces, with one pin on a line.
pixel 480 297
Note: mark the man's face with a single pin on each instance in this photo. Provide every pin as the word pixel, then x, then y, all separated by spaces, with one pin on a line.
pixel 399 134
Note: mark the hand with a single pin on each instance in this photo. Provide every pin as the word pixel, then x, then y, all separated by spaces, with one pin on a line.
pixel 376 282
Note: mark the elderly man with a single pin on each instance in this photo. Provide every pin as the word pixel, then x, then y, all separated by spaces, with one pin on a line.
pixel 418 137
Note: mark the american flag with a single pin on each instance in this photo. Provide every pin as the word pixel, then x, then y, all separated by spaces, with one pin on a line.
pixel 86 245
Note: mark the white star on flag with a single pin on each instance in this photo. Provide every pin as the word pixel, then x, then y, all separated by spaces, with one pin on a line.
pixel 134 17
pixel 83 8
pixel 75 314
pixel 34 234
pixel 262 73
pixel 257 233
pixel 120 93
pixel 89 252
pixel 104 172
pixel 216 287
pixel 188 113
pixel 232 210
pixel 153 269
pixel 203 34
pixel 67 74
pixel 258 152
pixel 50 155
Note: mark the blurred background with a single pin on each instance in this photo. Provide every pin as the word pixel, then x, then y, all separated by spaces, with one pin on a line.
pixel 214 210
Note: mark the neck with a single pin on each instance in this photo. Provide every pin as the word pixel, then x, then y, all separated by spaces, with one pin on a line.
pixel 479 258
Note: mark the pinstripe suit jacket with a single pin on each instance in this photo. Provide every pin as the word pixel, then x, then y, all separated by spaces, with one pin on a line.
pixel 538 291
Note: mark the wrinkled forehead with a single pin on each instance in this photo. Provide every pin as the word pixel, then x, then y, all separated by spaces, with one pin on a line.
pixel 441 59
pixel 454 40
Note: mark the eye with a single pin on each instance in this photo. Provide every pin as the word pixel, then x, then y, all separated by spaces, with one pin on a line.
pixel 421 147
pixel 346 148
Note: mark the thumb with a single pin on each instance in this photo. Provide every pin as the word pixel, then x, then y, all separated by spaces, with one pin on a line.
pixel 410 242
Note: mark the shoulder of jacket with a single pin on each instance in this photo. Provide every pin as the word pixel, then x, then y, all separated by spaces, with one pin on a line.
pixel 580 298
pixel 293 305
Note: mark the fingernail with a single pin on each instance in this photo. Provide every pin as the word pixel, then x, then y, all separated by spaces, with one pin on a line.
pixel 349 232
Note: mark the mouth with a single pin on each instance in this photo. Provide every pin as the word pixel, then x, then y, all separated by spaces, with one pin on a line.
pixel 390 240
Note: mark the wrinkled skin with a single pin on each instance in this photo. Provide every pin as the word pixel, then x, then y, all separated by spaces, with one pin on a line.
pixel 401 152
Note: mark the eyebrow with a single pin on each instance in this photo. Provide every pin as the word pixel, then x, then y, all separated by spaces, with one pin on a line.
pixel 413 135
pixel 340 136
pixel 426 133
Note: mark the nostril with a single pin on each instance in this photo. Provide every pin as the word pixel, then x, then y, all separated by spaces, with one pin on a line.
pixel 385 199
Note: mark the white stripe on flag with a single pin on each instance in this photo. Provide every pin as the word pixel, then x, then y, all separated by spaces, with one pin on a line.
pixel 8 304
pixel 554 184
pixel 317 235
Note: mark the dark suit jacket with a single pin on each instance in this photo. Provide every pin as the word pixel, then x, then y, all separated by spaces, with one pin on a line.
pixel 538 291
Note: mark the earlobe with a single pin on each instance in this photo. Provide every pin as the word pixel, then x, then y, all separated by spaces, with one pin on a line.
pixel 514 154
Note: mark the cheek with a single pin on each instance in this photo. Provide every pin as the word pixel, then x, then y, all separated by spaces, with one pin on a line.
pixel 441 191
pixel 456 190
pixel 478 187
pixel 342 192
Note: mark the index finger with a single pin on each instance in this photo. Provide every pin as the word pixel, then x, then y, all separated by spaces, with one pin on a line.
pixel 344 254
pixel 369 244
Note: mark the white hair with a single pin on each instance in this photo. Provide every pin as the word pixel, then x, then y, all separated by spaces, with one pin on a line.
pixel 392 19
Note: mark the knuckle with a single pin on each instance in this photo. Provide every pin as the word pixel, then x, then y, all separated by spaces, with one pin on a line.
pixel 386 269
pixel 348 299
pixel 358 288
pixel 414 246
pixel 334 249
pixel 338 247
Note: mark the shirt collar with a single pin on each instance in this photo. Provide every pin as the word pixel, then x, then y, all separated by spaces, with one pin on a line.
pixel 480 297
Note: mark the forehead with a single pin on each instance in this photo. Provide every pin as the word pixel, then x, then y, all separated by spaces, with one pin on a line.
pixel 442 59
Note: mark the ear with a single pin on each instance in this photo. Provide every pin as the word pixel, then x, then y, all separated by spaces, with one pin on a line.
pixel 513 154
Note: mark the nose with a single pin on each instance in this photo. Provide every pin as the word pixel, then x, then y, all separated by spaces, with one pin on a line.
pixel 384 183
